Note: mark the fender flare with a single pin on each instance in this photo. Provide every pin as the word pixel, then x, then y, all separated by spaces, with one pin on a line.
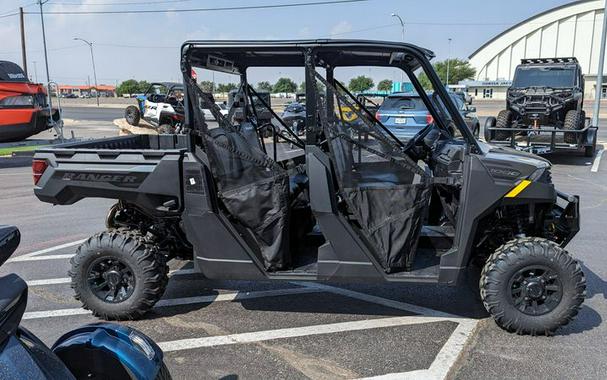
pixel 132 352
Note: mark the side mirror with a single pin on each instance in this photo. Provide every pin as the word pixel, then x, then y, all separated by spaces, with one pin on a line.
pixel 10 237
pixel 472 109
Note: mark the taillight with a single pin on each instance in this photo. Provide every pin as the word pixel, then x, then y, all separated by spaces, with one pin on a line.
pixel 38 168
pixel 429 119
pixel 377 116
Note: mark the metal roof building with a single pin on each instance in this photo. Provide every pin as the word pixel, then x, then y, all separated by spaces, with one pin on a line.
pixel 570 30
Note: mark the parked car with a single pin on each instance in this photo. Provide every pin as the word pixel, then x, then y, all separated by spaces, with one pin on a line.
pixel 161 106
pixel 405 114
pixel 23 105
pixel 94 351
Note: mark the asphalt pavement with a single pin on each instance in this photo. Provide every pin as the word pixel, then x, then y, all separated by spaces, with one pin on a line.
pixel 238 329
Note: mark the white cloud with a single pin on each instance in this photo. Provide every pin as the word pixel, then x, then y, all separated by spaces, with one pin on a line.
pixel 340 28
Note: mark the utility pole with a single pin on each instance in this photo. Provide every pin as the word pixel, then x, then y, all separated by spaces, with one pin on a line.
pixel 23 55
pixel 94 71
pixel 48 77
pixel 35 72
pixel 402 27
pixel 448 61
pixel 599 78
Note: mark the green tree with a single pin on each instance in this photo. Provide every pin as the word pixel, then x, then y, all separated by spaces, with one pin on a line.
pixel 319 85
pixel 360 84
pixel 129 86
pixel 144 85
pixel 458 70
pixel 207 86
pixel 384 85
pixel 264 86
pixel 226 87
pixel 285 85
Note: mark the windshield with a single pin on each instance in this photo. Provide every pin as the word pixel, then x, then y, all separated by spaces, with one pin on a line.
pixel 544 77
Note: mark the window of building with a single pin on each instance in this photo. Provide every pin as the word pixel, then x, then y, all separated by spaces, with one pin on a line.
pixel 487 93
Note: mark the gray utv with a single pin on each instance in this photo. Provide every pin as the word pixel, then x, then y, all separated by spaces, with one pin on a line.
pixel 349 204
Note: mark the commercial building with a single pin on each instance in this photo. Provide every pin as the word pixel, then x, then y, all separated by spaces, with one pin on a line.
pixel 80 91
pixel 570 30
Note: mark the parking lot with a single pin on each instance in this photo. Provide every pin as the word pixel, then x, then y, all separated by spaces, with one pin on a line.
pixel 245 330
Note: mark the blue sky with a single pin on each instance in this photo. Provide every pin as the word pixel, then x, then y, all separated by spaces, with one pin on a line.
pixel 147 46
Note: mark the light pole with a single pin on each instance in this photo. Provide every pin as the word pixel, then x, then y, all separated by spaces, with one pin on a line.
pixel 599 79
pixel 48 77
pixel 402 28
pixel 448 61
pixel 92 59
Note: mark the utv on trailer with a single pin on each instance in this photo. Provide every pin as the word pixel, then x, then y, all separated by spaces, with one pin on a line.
pixel 161 106
pixel 544 109
pixel 338 208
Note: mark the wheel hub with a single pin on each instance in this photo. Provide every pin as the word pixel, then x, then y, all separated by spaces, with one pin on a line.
pixel 536 290
pixel 111 280
pixel 113 277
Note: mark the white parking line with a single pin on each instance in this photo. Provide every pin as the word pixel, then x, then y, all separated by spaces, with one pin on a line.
pixel 450 351
pixel 33 255
pixel 20 259
pixel 597 161
pixel 180 301
pixel 259 336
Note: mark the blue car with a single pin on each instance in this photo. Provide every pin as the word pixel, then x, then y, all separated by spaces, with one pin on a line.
pixel 405 114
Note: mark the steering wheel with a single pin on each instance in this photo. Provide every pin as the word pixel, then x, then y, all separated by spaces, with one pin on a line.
pixel 419 137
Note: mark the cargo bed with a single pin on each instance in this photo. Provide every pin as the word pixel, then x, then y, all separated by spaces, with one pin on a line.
pixel 143 169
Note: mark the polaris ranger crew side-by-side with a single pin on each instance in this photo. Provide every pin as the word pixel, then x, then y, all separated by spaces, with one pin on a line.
pixel 544 109
pixel 337 207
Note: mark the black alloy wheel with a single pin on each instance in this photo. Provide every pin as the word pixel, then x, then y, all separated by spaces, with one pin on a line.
pixel 111 280
pixel 536 290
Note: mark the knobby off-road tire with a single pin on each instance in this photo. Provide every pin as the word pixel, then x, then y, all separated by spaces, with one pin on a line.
pixel 532 286
pixel 504 120
pixel 132 115
pixel 118 259
pixel 574 120
pixel 166 129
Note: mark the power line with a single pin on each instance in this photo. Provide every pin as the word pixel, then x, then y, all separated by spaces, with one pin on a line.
pixel 123 3
pixel 239 8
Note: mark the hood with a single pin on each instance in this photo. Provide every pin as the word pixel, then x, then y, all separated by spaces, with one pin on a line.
pixel 507 163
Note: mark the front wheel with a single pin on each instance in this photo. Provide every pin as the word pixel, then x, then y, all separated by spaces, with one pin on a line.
pixel 504 120
pixel 132 115
pixel 532 286
pixel 118 275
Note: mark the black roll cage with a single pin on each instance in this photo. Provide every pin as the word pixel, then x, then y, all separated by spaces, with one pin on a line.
pixel 327 54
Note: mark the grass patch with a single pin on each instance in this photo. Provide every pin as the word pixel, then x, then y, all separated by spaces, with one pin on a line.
pixel 29 148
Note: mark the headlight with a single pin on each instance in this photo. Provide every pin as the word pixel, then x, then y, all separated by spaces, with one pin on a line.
pixel 17 101
pixel 541 175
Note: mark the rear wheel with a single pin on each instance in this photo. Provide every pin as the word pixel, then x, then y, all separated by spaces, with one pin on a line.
pixel 532 286
pixel 574 120
pixel 132 115
pixel 117 274
pixel 504 120
pixel 166 129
